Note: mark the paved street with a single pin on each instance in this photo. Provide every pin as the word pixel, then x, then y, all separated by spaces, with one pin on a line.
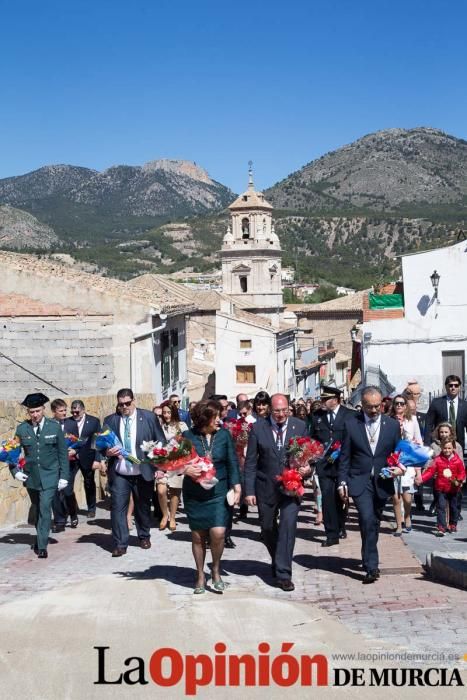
pixel 402 611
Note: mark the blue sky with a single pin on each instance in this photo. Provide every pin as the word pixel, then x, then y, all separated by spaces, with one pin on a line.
pixel 103 82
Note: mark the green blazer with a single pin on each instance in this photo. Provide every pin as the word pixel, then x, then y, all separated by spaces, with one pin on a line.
pixel 46 457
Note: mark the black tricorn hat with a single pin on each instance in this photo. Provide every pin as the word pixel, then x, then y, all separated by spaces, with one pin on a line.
pixel 330 392
pixel 35 400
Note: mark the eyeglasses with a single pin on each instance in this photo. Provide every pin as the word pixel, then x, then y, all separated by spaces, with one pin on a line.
pixel 125 404
pixel 175 401
pixel 399 403
pixel 280 410
pixel 75 410
pixel 453 386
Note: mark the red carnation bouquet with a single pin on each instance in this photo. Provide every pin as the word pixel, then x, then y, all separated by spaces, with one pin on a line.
pixel 302 450
pixel 171 457
pixel 239 428
pixel 291 483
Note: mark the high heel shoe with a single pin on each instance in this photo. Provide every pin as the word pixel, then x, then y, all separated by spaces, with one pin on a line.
pixel 163 523
pixel 172 526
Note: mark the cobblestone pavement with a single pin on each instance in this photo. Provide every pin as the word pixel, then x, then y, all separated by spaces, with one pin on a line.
pixel 403 609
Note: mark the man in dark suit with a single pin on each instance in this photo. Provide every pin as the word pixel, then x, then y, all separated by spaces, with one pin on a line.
pixel 368 441
pixel 327 426
pixel 448 408
pixel 46 467
pixel 64 502
pixel 133 426
pixel 87 458
pixel 265 460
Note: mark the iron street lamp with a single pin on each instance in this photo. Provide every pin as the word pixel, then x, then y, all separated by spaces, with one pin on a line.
pixel 434 277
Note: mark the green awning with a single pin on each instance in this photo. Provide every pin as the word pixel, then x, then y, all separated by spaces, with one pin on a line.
pixel 386 301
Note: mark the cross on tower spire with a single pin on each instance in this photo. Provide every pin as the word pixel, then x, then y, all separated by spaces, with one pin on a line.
pixel 250 175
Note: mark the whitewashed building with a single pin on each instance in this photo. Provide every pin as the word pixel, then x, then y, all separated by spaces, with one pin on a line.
pixel 427 339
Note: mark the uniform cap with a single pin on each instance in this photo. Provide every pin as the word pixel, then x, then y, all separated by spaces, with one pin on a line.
pixel 330 392
pixel 35 400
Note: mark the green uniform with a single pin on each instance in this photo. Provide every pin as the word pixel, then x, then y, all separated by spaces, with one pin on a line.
pixel 46 463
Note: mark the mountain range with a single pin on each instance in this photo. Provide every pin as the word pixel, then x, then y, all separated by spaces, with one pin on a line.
pixel 343 217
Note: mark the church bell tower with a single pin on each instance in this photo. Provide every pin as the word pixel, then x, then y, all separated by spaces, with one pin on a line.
pixel 251 255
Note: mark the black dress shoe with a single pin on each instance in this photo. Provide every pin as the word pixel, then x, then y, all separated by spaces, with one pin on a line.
pixel 371 576
pixel 145 543
pixel 286 584
pixel 329 543
pixel 273 571
pixel 42 554
pixel 343 534
pixel 118 551
pixel 229 543
pixel 74 523
pixel 58 528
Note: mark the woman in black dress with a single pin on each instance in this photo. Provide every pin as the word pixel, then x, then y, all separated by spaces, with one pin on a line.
pixel 207 510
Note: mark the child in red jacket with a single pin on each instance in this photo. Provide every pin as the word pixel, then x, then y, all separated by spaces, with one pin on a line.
pixel 449 473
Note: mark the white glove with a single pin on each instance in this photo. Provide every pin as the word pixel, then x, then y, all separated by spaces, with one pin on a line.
pixel 62 484
pixel 21 476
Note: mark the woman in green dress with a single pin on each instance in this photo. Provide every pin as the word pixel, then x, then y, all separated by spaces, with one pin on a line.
pixel 207 510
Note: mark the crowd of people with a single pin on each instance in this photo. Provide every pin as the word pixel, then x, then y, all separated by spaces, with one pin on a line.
pixel 363 440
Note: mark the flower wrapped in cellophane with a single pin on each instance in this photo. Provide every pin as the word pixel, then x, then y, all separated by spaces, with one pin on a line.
pixel 392 462
pixel 107 439
pixel 73 441
pixel 207 479
pixel 291 483
pixel 334 451
pixel 302 450
pixel 171 457
pixel 10 450
pixel 239 428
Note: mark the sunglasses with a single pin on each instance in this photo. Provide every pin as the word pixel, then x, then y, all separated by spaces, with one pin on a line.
pixel 125 404
pixel 453 386
pixel 399 403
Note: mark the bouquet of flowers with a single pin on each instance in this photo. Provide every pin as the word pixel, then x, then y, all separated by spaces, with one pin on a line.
pixel 335 450
pixel 171 457
pixel 73 441
pixel 303 449
pixel 291 482
pixel 107 439
pixel 392 462
pixel 412 455
pixel 239 428
pixel 455 483
pixel 207 479
pixel 10 451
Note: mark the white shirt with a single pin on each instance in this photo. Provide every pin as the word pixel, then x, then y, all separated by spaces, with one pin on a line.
pixel 80 424
pixel 372 430
pixel 124 466
pixel 333 413
pixel 40 424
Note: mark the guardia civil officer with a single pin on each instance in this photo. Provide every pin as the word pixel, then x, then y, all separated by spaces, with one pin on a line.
pixel 46 467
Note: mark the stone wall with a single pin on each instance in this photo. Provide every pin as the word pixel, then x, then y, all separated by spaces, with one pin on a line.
pixel 74 354
pixel 14 499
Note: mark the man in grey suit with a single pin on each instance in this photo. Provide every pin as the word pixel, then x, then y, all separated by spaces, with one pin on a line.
pixel 265 460
pixel 133 426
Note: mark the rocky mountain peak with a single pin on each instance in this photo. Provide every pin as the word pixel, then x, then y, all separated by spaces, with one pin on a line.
pixel 179 167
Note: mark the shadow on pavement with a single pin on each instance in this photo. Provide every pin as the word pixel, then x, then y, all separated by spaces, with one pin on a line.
pixel 180 575
pixel 340 565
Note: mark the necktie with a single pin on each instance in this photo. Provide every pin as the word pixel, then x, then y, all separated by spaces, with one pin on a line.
pixel 127 435
pixel 331 419
pixel 452 415
pixel 38 431
pixel 279 437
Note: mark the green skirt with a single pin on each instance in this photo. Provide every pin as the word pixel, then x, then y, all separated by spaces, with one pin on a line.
pixel 205 509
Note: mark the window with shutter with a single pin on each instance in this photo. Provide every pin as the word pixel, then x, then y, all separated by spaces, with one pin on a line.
pixel 246 374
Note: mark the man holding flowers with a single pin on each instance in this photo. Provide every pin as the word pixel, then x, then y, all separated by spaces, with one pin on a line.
pixel 265 461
